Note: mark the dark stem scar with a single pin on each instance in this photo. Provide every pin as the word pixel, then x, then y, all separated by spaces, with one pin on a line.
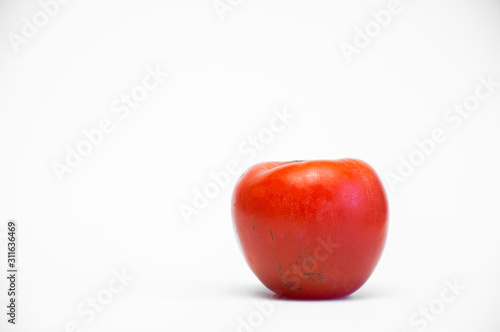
pixel 272 238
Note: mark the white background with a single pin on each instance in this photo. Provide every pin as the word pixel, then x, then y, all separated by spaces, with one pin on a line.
pixel 119 209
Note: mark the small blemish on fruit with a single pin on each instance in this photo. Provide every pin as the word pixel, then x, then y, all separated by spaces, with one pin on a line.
pixel 272 238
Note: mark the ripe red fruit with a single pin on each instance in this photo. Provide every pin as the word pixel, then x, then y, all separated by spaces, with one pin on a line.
pixel 311 229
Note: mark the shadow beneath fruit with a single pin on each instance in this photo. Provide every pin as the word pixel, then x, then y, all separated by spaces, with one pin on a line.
pixel 356 296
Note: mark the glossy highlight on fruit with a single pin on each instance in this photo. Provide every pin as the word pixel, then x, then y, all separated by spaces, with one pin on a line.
pixel 311 229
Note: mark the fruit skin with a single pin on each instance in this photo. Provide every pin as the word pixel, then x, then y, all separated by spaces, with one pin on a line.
pixel 311 229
